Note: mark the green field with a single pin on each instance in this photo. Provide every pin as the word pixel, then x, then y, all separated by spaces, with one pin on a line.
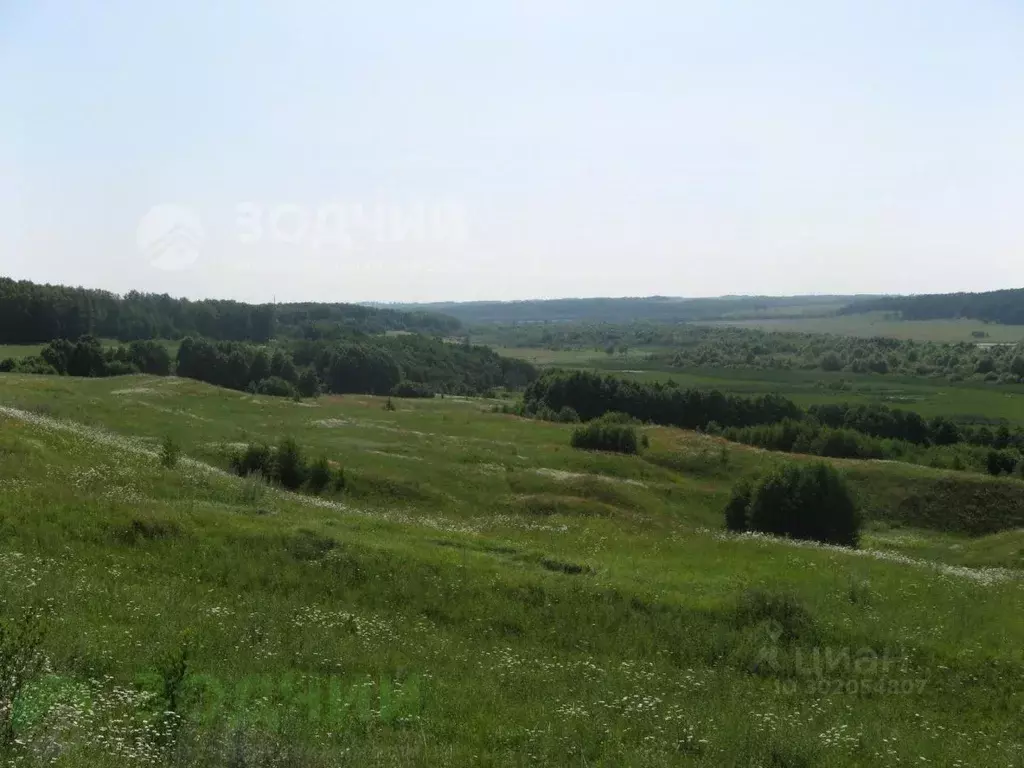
pixel 19 350
pixel 870 324
pixel 479 594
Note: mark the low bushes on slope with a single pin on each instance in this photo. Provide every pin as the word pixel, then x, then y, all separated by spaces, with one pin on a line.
pixel 285 465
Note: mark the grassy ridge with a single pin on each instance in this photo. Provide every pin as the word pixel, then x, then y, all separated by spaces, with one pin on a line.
pixel 482 595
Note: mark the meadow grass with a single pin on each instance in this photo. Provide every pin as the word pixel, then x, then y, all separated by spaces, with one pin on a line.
pixel 480 594
pixel 18 351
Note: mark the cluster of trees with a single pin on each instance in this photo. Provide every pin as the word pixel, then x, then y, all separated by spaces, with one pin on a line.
pixel 883 421
pixel 802 501
pixel 336 321
pixel 393 364
pixel 811 437
pixel 287 466
pixel 237 365
pixel 592 395
pixel 1006 306
pixel 607 433
pixel 31 313
pixel 87 357
pixel 403 366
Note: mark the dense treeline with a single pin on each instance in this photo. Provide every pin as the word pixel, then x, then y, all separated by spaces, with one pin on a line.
pixel 775 423
pixel 592 395
pixel 382 365
pixel 1006 306
pixel 31 313
pixel 337 321
pixel 403 366
pixel 238 365
pixel 813 438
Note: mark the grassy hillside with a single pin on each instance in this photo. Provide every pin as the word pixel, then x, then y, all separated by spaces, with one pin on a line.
pixel 480 594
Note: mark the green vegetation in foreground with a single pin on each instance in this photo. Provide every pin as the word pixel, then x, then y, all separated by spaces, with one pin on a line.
pixel 478 594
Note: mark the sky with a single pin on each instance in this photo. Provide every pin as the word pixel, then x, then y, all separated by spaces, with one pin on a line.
pixel 398 151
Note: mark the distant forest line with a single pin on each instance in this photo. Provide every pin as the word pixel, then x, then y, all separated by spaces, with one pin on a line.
pixel 31 313
pixel 1002 306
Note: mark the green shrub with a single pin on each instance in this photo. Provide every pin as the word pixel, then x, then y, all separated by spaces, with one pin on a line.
pixel 411 389
pixel 340 482
pixel 257 459
pixel 618 417
pixel 737 509
pixel 320 475
pixel 119 368
pixel 31 364
pixel 309 383
pixel 289 467
pixel 567 415
pixel 801 501
pixel 275 386
pixel 600 435
pixel 1001 462
pixel 170 452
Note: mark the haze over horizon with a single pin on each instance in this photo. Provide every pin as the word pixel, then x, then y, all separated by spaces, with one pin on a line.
pixel 316 151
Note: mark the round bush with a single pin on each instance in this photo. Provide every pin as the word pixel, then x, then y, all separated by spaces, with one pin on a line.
pixel 800 501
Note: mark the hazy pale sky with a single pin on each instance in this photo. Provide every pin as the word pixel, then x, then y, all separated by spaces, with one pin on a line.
pixel 406 151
